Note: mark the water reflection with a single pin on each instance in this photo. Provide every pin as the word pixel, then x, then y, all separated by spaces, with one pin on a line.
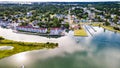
pixel 21 57
pixel 100 51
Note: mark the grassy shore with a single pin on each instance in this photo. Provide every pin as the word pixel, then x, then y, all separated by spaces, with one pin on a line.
pixel 111 28
pixel 80 32
pixel 22 47
pixel 97 24
pixel 105 27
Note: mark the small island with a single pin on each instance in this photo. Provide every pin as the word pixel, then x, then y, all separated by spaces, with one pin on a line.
pixel 22 47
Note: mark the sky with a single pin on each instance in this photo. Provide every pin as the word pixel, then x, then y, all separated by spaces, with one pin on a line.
pixel 60 0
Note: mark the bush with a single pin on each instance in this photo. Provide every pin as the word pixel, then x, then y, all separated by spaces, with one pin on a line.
pixel 107 23
pixel 66 25
pixel 47 43
pixel 116 28
pixel 57 44
pixel 1 38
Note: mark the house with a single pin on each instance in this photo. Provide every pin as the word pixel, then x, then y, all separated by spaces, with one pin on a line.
pixel 118 22
pixel 91 15
pixel 3 24
pixel 55 31
pixel 83 20
pixel 60 16
pixel 76 20
pixel 113 15
pixel 76 27
pixel 112 24
pixel 29 14
pixel 85 9
pixel 31 29
pixel 102 17
pixel 35 22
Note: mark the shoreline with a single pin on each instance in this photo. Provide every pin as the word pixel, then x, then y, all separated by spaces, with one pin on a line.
pixel 110 28
pixel 9 34
pixel 23 47
pixel 38 34
pixel 62 41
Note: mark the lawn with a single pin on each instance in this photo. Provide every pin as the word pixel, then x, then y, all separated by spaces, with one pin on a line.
pixel 22 47
pixel 80 32
pixel 110 28
pixel 105 27
pixel 97 24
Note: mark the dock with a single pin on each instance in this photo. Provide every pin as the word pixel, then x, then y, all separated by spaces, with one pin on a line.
pixel 89 31
pixel 93 28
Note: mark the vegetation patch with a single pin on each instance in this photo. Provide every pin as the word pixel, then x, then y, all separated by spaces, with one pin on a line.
pixel 111 28
pixel 22 47
pixel 80 32
pixel 97 24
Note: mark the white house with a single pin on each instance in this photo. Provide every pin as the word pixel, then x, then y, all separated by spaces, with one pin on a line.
pixel 55 31
pixel 29 14
pixel 32 29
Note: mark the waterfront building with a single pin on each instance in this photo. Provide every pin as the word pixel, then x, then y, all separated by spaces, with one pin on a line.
pixel 55 31
pixel 31 29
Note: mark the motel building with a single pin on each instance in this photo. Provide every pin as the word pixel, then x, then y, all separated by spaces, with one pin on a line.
pixel 55 31
pixel 31 29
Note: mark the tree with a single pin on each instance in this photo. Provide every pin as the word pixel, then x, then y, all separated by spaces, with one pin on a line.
pixel 66 25
pixel 40 24
pixel 115 20
pixel 24 24
pixel 107 23
pixel 107 16
pixel 1 38
pixel 56 22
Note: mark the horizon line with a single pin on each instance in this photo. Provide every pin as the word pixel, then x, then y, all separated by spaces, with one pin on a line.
pixel 60 1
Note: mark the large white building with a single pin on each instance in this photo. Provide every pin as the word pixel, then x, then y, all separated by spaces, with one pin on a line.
pixel 31 29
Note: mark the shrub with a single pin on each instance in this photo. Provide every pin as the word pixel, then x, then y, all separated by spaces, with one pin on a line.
pixel 116 28
pixel 1 38
pixel 107 23
pixel 47 43
pixel 57 44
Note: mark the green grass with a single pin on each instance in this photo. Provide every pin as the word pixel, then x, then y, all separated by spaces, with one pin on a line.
pixel 97 24
pixel 80 32
pixel 111 28
pixel 22 47
pixel 105 27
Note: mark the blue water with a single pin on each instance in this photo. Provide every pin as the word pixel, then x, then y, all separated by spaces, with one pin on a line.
pixel 102 50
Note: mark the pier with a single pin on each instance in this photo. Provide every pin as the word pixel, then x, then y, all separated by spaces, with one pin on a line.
pixel 88 30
